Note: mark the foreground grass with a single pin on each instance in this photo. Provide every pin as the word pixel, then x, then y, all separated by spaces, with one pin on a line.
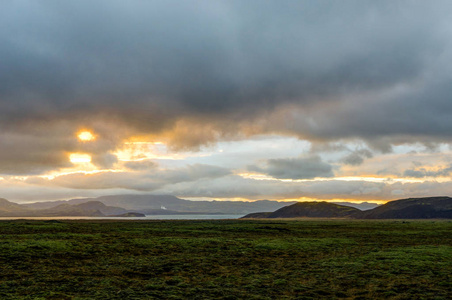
pixel 236 259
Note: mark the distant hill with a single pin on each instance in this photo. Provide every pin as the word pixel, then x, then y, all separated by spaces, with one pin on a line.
pixel 104 209
pixel 157 204
pixel 51 204
pixel 91 209
pixel 87 209
pixel 258 215
pixel 311 210
pixel 412 208
pixel 128 202
pixel 66 210
pixel 148 204
pixel 10 208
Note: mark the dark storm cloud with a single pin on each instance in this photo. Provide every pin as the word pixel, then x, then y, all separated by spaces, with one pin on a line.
pixel 295 168
pixel 142 66
pixel 207 56
pixel 417 115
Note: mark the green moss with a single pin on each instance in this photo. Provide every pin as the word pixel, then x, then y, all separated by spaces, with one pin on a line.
pixel 240 259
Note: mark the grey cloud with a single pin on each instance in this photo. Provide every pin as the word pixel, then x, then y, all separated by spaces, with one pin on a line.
pixel 35 190
pixel 140 165
pixel 295 168
pixel 99 181
pixel 32 154
pixel 146 180
pixel 191 173
pixel 229 186
pixel 357 157
pixel 423 189
pixel 422 172
pixel 415 173
pixel 345 189
pixel 413 116
pixel 104 161
pixel 235 186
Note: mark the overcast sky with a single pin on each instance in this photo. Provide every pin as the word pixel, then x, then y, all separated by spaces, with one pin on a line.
pixel 225 100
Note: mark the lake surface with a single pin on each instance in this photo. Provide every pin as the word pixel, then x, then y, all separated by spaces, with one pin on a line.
pixel 149 217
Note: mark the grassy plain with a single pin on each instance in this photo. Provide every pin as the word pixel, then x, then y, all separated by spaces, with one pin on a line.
pixel 226 259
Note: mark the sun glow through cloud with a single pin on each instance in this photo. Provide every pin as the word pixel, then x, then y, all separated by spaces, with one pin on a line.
pixel 86 136
pixel 79 158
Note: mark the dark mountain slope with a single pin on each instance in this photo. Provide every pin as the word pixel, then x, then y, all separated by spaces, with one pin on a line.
pixel 412 208
pixel 309 209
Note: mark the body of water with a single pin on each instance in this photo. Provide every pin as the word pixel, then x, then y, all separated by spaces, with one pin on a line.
pixel 149 217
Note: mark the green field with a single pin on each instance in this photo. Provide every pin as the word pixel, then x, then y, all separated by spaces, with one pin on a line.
pixel 237 259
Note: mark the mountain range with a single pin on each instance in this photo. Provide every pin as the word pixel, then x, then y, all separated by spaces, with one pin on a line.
pixel 167 204
pixel 140 205
pixel 153 203
pixel 143 204
pixel 412 208
pixel 89 208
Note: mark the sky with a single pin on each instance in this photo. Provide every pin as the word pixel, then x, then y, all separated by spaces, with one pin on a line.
pixel 227 100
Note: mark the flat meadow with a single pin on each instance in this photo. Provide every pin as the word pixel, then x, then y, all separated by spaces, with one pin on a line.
pixel 226 259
